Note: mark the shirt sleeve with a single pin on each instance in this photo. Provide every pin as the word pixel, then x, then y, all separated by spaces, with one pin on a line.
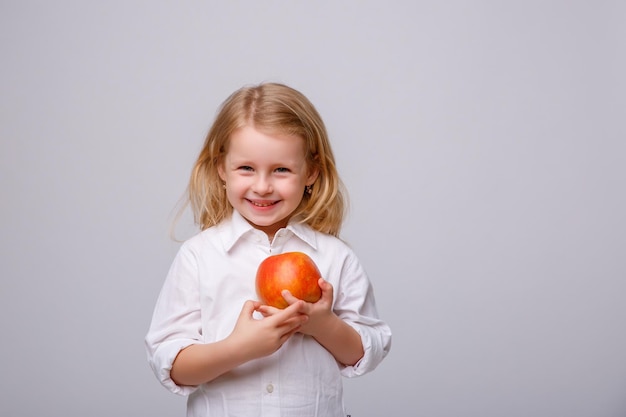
pixel 176 321
pixel 355 304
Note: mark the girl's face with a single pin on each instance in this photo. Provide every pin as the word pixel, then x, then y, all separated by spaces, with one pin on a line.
pixel 265 176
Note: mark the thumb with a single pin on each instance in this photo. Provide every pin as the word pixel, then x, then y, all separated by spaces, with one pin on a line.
pixel 325 285
pixel 248 309
pixel 327 289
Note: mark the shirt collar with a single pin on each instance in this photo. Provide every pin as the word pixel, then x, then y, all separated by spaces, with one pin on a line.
pixel 234 228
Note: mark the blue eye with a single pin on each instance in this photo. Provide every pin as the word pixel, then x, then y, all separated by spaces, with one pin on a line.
pixel 245 168
pixel 282 170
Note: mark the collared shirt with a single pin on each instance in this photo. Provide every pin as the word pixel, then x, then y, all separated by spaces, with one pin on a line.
pixel 212 276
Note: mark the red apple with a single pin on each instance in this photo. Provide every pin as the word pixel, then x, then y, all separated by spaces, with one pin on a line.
pixel 293 271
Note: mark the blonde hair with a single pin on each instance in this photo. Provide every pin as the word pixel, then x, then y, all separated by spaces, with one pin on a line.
pixel 270 107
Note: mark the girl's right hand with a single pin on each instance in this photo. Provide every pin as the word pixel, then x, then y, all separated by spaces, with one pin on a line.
pixel 261 337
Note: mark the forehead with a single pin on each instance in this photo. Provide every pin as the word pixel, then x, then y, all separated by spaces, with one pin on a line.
pixel 249 142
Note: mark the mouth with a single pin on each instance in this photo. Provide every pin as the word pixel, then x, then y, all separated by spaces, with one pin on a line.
pixel 262 203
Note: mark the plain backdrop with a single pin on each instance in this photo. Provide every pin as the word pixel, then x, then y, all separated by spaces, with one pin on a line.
pixel 483 144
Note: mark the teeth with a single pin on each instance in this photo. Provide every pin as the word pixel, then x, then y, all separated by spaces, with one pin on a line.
pixel 262 204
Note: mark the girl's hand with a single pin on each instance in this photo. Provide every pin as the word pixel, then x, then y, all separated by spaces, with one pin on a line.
pixel 258 338
pixel 318 313
pixel 341 340
pixel 250 339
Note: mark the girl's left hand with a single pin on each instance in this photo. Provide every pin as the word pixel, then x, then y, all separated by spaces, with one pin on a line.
pixel 319 312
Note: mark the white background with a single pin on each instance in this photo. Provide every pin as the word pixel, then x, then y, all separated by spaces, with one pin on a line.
pixel 483 144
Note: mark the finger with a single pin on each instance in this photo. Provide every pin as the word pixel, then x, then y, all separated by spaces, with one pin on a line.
pixel 267 311
pixel 290 317
pixel 294 308
pixel 293 324
pixel 281 314
pixel 288 297
pixel 296 321
pixel 287 335
pixel 248 309
pixel 325 285
pixel 327 289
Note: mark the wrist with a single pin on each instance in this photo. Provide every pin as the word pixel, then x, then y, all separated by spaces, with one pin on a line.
pixel 326 324
pixel 239 352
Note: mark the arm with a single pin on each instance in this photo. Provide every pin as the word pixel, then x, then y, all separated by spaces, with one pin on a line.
pixel 250 339
pixel 341 340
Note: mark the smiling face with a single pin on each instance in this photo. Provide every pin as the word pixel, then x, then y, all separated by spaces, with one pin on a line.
pixel 265 176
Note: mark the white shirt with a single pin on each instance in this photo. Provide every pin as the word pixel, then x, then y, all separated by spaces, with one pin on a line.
pixel 212 276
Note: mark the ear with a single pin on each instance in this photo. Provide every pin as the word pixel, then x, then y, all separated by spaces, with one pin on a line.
pixel 220 170
pixel 314 172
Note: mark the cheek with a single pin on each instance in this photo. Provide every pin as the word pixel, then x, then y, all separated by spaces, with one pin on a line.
pixel 234 184
pixel 296 188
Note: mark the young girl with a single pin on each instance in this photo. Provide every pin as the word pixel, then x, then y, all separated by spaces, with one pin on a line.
pixel 265 183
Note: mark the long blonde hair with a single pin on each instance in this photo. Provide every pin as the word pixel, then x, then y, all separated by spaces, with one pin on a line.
pixel 271 107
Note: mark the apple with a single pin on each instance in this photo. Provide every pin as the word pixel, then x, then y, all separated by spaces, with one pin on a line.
pixel 293 271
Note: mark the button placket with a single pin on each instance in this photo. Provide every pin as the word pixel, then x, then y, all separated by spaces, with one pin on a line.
pixel 269 386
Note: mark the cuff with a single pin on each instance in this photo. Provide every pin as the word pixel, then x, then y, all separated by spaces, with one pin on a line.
pixel 376 344
pixel 161 362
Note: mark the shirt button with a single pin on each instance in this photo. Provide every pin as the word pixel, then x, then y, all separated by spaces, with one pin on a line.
pixel 270 388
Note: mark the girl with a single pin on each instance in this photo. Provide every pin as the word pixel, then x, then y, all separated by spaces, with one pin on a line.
pixel 265 183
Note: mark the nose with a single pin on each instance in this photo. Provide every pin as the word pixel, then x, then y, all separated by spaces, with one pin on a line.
pixel 262 185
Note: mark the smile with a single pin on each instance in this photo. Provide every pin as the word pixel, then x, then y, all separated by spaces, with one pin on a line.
pixel 262 204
